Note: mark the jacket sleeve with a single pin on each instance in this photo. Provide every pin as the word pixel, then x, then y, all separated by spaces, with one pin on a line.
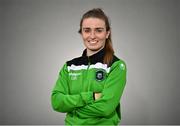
pixel 111 94
pixel 62 100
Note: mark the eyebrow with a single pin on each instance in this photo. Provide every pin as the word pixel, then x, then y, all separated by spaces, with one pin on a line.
pixel 94 28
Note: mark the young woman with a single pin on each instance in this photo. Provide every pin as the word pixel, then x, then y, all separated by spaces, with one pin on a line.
pixel 89 87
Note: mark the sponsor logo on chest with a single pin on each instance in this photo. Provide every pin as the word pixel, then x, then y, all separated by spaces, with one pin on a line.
pixel 74 76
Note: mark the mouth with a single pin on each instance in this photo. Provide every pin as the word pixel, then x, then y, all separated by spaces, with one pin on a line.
pixel 93 42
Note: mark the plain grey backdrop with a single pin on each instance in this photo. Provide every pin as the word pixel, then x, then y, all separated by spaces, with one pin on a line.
pixel 38 36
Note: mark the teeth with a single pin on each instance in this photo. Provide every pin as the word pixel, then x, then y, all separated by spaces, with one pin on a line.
pixel 93 42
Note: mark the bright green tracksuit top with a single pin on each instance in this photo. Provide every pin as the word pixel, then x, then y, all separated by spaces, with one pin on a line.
pixel 78 79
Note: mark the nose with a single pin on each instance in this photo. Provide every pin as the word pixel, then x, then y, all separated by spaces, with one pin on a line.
pixel 92 35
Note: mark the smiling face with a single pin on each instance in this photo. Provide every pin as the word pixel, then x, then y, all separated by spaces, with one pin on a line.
pixel 94 34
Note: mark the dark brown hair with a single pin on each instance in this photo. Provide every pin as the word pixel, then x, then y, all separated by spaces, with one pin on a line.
pixel 98 13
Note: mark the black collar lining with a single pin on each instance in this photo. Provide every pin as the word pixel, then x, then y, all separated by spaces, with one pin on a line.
pixel 97 57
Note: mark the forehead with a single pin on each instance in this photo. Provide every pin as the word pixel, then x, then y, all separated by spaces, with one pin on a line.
pixel 93 22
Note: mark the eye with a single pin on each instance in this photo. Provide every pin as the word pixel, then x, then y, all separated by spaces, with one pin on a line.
pixel 87 30
pixel 99 30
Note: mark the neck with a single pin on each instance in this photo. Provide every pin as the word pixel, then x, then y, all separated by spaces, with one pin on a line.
pixel 91 52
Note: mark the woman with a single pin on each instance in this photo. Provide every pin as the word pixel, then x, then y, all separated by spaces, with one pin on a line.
pixel 89 87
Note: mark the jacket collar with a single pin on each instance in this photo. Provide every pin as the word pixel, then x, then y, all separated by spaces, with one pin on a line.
pixel 97 57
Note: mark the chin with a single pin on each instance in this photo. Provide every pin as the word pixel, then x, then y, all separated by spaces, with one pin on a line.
pixel 94 48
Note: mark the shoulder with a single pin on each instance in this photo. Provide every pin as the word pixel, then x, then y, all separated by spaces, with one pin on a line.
pixel 75 61
pixel 118 62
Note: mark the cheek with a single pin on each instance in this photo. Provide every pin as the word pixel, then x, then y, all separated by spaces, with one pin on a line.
pixel 84 36
pixel 102 37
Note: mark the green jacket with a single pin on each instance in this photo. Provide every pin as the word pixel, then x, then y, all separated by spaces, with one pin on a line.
pixel 78 79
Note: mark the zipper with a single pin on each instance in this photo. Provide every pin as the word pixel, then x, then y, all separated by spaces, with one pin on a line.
pixel 89 63
pixel 87 73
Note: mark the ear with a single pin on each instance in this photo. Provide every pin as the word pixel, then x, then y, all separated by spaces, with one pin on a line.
pixel 107 34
